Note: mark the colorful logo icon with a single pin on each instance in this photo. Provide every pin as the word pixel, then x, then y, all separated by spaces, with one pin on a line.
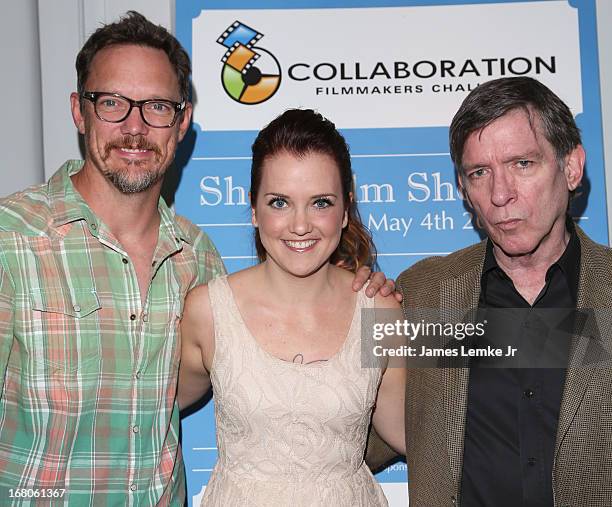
pixel 249 75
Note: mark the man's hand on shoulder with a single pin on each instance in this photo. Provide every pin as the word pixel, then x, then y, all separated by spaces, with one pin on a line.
pixel 378 283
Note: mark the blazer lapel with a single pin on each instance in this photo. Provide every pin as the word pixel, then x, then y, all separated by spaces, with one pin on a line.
pixel 460 292
pixel 592 295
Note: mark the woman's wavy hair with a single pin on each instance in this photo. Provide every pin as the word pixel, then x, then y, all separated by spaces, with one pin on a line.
pixel 300 132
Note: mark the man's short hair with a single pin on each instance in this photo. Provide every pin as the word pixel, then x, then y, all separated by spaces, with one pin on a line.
pixel 493 99
pixel 134 28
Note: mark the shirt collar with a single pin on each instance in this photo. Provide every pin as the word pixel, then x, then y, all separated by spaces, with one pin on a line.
pixel 569 262
pixel 168 223
pixel 68 205
pixel 490 262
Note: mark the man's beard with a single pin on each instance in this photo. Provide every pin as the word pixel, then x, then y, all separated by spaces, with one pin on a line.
pixel 125 180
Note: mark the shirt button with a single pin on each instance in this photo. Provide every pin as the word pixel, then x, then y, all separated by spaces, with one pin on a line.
pixel 94 226
pixel 528 393
pixel 138 374
pixel 76 308
pixel 132 487
pixel 453 500
pixel 531 462
pixel 133 317
pixel 153 264
pixel 124 260
pixel 145 317
pixel 136 428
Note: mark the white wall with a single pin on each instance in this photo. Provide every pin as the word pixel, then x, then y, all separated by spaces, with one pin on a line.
pixel 20 127
pixel 39 40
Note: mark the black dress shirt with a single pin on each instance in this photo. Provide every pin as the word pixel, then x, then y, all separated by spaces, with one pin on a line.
pixel 512 414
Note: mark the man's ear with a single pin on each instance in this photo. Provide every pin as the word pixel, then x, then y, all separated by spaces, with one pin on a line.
pixel 77 114
pixel 574 167
pixel 185 121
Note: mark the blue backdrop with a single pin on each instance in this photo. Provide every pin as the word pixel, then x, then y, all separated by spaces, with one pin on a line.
pixel 404 179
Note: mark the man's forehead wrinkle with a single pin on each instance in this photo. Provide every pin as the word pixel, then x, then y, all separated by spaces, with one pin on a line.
pixel 533 118
pixel 111 71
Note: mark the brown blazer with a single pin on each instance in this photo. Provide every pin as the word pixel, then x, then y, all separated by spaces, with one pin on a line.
pixel 436 398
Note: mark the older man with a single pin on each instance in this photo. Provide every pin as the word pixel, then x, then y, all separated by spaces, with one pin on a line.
pixel 505 436
pixel 94 269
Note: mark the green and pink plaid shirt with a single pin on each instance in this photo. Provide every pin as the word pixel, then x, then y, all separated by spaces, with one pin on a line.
pixel 88 373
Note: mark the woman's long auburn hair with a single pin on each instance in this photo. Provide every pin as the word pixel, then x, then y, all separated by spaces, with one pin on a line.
pixel 300 132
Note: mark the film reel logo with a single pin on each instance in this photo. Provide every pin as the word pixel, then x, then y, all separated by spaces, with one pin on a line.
pixel 248 76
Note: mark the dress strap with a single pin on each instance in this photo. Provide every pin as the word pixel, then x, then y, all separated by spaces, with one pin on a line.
pixel 221 304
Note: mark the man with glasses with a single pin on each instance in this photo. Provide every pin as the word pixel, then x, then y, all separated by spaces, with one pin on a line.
pixel 94 268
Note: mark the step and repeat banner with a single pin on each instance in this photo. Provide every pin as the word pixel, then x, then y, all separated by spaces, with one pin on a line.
pixel 390 74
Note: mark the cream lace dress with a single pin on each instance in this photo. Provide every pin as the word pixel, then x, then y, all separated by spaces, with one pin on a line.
pixel 288 434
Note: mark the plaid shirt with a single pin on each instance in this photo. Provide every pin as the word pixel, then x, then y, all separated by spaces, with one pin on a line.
pixel 88 373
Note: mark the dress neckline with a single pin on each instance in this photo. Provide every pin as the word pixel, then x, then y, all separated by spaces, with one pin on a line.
pixel 322 363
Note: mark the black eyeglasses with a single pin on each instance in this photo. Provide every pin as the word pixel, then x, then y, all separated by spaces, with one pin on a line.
pixel 114 108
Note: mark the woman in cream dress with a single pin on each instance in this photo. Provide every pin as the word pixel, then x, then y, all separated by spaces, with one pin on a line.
pixel 280 342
